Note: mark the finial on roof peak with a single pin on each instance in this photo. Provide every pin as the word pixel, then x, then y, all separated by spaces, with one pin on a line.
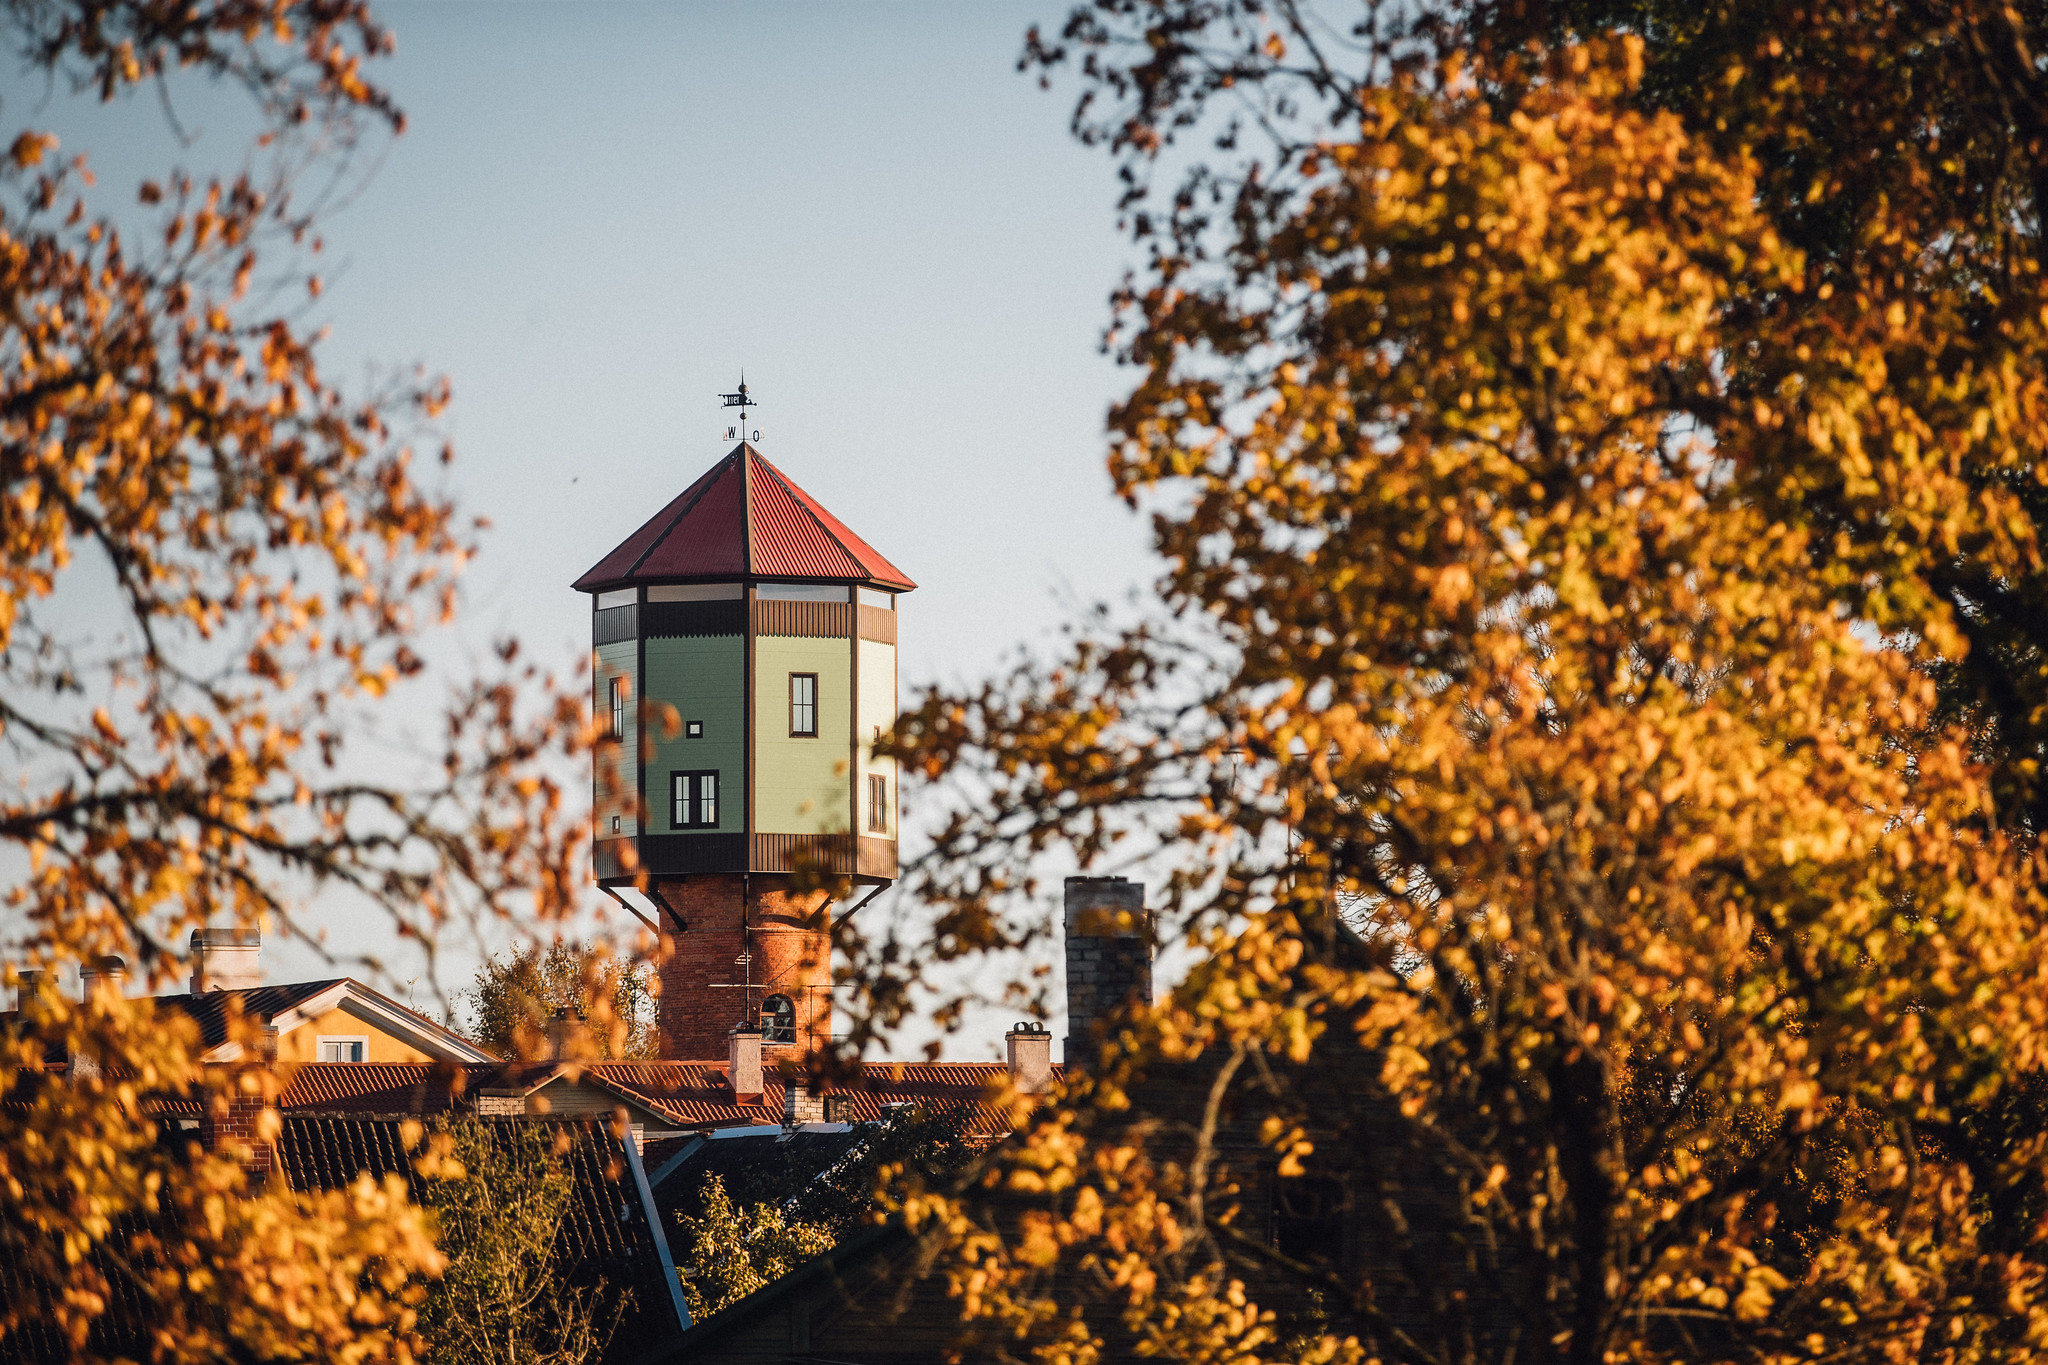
pixel 742 401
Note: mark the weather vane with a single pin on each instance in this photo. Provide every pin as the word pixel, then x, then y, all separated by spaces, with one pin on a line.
pixel 741 401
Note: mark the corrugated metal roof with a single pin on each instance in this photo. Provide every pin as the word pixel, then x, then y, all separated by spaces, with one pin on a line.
pixel 743 517
pixel 209 1009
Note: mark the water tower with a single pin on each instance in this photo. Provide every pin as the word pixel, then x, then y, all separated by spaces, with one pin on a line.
pixel 770 628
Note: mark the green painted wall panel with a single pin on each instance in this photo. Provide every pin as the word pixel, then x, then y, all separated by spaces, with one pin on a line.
pixel 618 659
pixel 800 785
pixel 704 678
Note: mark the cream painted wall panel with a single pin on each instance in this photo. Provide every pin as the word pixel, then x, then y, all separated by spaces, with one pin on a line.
pixel 878 706
pixel 800 785
pixel 616 660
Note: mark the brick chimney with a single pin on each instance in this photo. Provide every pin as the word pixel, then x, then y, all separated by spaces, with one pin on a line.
pixel 1030 1058
pixel 226 960
pixel 746 1064
pixel 108 973
pixel 1109 956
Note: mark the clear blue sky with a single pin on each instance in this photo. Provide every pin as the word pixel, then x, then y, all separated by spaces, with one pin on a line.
pixel 599 213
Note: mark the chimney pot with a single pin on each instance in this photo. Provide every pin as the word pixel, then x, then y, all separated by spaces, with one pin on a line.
pixel 105 973
pixel 1030 1058
pixel 30 978
pixel 745 1070
pixel 226 960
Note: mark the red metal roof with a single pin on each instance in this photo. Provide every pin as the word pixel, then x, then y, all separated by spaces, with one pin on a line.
pixel 743 517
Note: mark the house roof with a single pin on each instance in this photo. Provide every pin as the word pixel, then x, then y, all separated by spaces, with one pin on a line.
pixel 687 1094
pixel 743 518
pixel 212 1010
pixel 610 1242
pixel 286 1007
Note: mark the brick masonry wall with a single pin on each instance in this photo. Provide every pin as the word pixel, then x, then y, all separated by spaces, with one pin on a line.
pixel 244 1119
pixel 1109 956
pixel 786 936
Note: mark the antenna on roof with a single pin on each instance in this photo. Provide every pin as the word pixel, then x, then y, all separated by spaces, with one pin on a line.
pixel 741 401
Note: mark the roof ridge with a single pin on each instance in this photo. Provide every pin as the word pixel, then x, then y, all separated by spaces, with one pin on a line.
pixel 704 485
pixel 803 504
pixel 746 508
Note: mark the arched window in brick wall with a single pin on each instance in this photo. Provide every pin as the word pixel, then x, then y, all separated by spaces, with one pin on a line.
pixel 778 1020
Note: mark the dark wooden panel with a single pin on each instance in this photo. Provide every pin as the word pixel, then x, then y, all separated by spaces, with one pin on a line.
pixel 814 620
pixel 670 620
pixel 877 624
pixel 609 857
pixel 682 854
pixel 780 852
pixel 614 624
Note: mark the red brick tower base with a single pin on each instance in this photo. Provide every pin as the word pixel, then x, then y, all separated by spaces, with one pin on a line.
pixel 706 989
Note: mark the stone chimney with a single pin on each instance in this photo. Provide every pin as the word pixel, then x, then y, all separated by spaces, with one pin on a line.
pixel 1030 1058
pixel 226 960
pixel 1109 956
pixel 746 1064
pixel 108 973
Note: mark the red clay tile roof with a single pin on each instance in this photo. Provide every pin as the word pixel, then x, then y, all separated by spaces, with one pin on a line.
pixel 691 1094
pixel 381 1087
pixel 743 517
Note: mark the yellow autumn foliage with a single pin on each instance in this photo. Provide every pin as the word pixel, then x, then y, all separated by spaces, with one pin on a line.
pixel 1617 888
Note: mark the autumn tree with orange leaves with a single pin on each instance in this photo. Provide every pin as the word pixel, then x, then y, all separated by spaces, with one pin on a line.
pixel 1595 710
pixel 167 440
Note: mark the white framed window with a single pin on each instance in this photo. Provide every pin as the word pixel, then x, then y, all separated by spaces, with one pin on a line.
pixel 619 708
pixel 617 597
pixel 343 1049
pixel 872 597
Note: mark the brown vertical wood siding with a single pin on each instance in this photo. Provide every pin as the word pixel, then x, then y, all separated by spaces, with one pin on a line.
pixel 877 858
pixel 877 624
pixel 779 852
pixel 811 620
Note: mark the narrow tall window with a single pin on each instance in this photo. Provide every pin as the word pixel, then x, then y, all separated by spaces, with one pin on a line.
pixel 803 705
pixel 618 708
pixel 878 804
pixel 693 800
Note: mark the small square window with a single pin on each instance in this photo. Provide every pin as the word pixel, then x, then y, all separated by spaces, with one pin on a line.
pixel 803 706
pixel 693 729
pixel 343 1049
